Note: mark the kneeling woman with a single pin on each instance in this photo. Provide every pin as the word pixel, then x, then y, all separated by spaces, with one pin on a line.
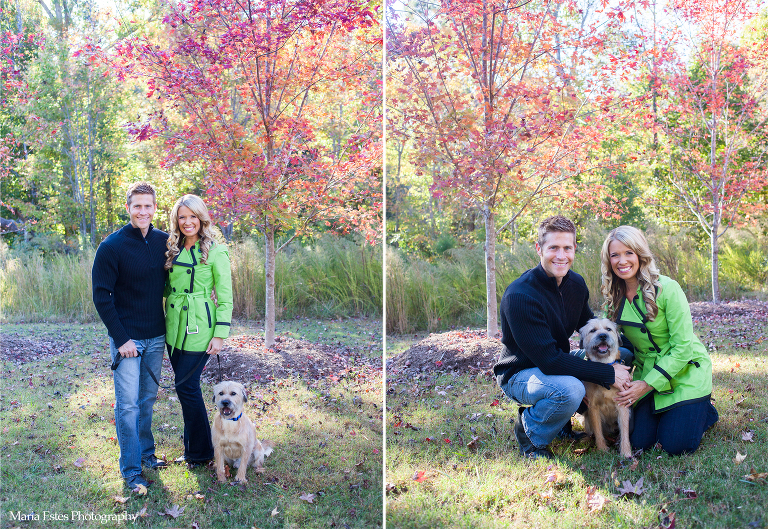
pixel 195 326
pixel 673 376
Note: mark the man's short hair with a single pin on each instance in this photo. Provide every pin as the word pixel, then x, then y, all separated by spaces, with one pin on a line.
pixel 556 223
pixel 140 188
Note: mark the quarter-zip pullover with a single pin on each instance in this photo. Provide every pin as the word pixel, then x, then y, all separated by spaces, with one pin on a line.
pixel 538 316
pixel 128 281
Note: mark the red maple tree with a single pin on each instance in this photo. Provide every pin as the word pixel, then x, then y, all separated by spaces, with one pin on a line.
pixel 509 100
pixel 280 101
pixel 713 114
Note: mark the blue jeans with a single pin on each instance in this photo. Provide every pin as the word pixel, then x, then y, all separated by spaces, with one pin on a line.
pixel 197 430
pixel 135 395
pixel 679 430
pixel 550 400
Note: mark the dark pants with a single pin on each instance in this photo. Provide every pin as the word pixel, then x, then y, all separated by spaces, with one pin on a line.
pixel 679 430
pixel 197 430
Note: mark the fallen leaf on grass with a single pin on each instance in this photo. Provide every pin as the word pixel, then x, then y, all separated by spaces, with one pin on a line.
pixel 79 462
pixel 173 512
pixel 309 498
pixel 629 490
pixel 121 499
pixel 580 451
pixel 667 519
pixel 275 512
pixel 141 490
pixel 688 494
pixel 472 445
pixel 495 402
pixel 756 477
pixel 595 500
pixel 739 457
pixel 423 475
pixel 142 513
pixel 747 436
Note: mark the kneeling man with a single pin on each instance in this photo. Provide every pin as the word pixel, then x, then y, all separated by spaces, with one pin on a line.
pixel 540 310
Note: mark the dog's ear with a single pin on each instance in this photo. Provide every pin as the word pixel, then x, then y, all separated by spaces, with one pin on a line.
pixel 581 337
pixel 214 398
pixel 245 396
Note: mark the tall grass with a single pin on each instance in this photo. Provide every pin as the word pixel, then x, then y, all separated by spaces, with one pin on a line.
pixel 33 287
pixel 335 277
pixel 450 291
pixel 332 278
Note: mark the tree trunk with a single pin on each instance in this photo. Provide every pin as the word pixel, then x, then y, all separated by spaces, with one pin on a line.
pixel 715 263
pixel 492 326
pixel 269 276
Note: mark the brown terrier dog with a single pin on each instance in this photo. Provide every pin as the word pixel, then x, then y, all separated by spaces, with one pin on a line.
pixel 233 433
pixel 600 339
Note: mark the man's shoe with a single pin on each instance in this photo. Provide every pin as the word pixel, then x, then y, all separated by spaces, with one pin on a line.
pixel 190 464
pixel 134 481
pixel 567 433
pixel 153 463
pixel 527 448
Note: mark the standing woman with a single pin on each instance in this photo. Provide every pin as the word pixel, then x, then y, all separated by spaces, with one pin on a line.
pixel 195 325
pixel 673 376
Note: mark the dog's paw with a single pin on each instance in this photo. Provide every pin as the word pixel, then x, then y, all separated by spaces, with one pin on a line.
pixel 260 470
pixel 240 481
pixel 221 477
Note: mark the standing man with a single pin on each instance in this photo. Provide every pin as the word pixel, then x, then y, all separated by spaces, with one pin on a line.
pixel 540 310
pixel 128 283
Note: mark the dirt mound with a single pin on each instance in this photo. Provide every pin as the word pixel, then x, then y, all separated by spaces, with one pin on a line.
pixel 21 350
pixel 245 359
pixel 468 351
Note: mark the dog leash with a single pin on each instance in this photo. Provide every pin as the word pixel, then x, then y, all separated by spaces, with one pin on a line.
pixel 119 358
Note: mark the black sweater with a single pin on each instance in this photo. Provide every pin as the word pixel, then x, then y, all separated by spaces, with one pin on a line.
pixel 537 318
pixel 128 282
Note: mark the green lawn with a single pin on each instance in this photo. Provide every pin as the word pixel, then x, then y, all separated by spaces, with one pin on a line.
pixel 59 452
pixel 434 479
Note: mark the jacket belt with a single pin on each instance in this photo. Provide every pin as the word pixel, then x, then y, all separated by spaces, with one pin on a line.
pixel 186 302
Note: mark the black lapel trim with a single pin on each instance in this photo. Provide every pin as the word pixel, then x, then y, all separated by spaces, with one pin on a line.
pixel 656 348
pixel 192 275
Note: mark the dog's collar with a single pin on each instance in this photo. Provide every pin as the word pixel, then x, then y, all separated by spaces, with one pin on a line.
pixel 614 362
pixel 236 418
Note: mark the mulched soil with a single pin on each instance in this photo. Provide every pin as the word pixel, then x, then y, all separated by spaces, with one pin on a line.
pixel 21 350
pixel 705 309
pixel 470 351
pixel 243 359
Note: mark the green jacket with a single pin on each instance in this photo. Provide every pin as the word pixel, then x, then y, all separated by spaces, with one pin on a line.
pixel 668 355
pixel 191 317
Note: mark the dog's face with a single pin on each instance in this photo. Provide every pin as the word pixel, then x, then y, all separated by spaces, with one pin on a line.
pixel 229 398
pixel 600 339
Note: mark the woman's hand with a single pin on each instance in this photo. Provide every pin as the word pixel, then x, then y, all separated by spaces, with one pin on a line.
pixel 634 391
pixel 215 346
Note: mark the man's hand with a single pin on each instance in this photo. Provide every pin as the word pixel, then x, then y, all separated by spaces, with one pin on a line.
pixel 621 376
pixel 128 349
pixel 215 346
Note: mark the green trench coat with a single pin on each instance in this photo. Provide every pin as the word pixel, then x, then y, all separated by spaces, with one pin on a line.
pixel 668 355
pixel 191 317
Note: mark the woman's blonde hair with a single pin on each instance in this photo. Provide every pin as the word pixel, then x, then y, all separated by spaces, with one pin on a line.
pixel 208 233
pixel 614 288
